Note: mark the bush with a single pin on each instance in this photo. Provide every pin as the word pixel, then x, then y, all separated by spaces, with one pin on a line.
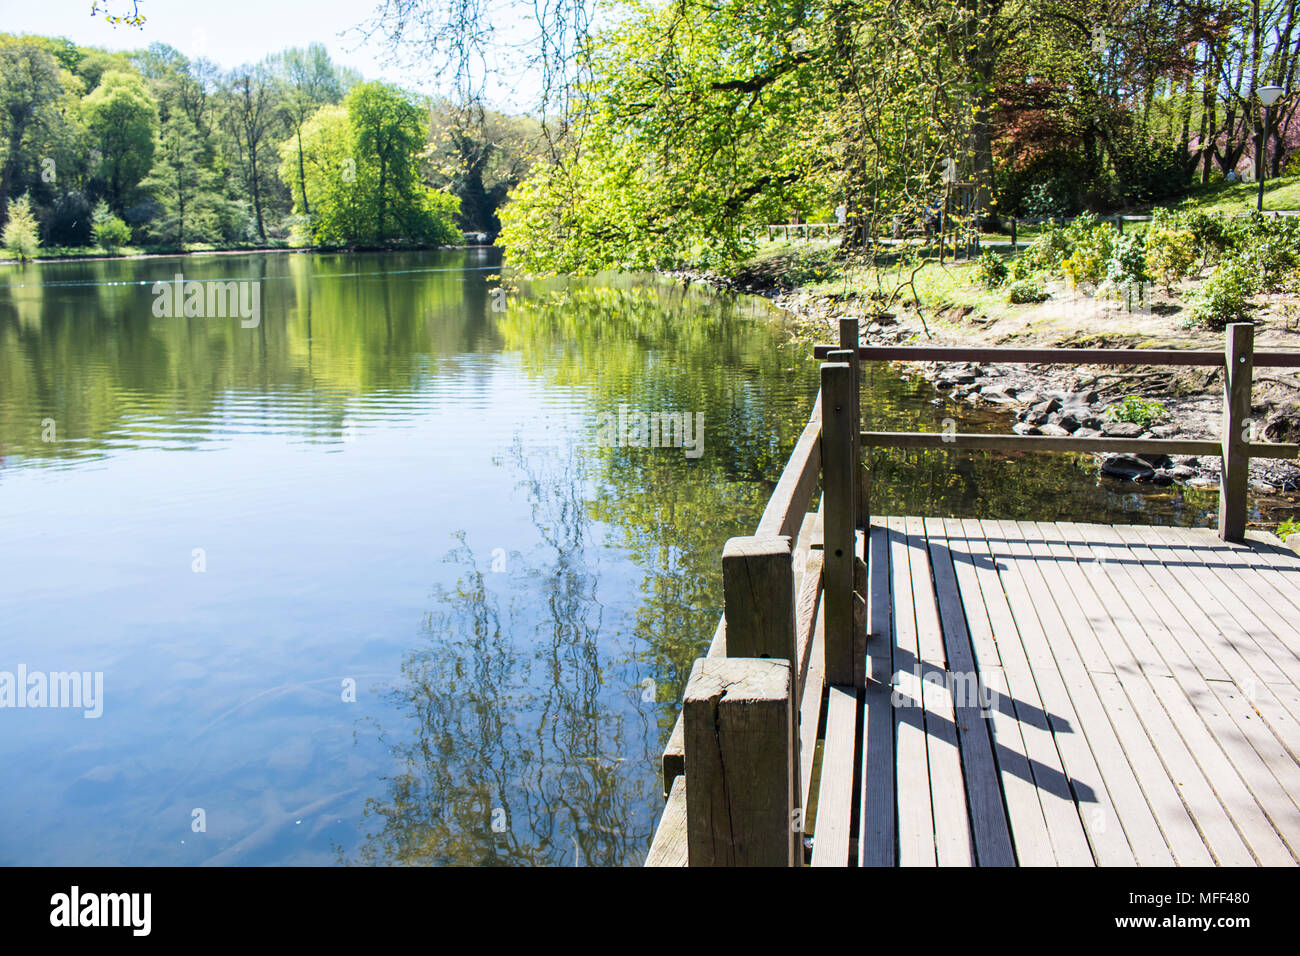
pixel 1213 235
pixel 1170 252
pixel 1287 528
pixel 1044 254
pixel 111 233
pixel 1050 197
pixel 1026 291
pixel 1090 243
pixel 1225 296
pixel 991 269
pixel 1138 410
pixel 21 234
pixel 1126 272
pixel 1272 246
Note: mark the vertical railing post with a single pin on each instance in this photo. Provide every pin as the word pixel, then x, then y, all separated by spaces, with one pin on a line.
pixel 740 776
pixel 1235 469
pixel 861 487
pixel 758 595
pixel 837 519
pixel 1013 233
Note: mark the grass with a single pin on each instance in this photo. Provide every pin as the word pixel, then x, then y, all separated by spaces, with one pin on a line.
pixel 1223 197
pixel 86 252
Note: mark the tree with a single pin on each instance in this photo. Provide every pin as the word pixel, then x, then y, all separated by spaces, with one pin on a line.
pixel 123 119
pixel 311 81
pixel 187 189
pixel 110 232
pixel 480 155
pixel 21 233
pixel 30 87
pixel 360 161
pixel 252 118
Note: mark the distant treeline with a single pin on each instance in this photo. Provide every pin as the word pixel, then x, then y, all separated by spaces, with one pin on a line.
pixel 293 149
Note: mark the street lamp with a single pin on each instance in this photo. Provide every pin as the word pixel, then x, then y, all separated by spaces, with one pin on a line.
pixel 1268 95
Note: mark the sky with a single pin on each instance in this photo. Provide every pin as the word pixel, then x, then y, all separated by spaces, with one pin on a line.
pixel 233 32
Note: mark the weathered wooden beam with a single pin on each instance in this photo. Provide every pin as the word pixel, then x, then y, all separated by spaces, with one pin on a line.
pixel 669 845
pixel 794 490
pixel 927 353
pixel 966 440
pixel 759 598
pixel 1235 464
pixel 837 519
pixel 740 746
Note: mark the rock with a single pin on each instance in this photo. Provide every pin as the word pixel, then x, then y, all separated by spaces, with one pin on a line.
pixel 1087 433
pixel 1282 423
pixel 1047 407
pixel 1202 481
pixel 1056 431
pixel 1025 428
pixel 1127 467
pixel 1068 421
pixel 957 377
pixel 998 389
pixel 1121 430
pixel 1156 461
pixel 1178 472
pixel 873 328
pixel 1029 397
pixel 1092 421
pixel 1164 431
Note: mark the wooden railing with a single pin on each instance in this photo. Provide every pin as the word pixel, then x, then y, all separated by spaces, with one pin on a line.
pixel 737 770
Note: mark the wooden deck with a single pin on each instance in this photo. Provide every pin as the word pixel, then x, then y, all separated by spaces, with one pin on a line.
pixel 1066 694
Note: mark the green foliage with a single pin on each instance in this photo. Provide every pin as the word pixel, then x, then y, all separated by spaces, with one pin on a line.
pixel 1090 245
pixel 1271 244
pixel 123 119
pixel 1287 528
pixel 1225 296
pixel 361 172
pixel 1170 252
pixel 991 269
pixel 1050 198
pixel 110 232
pixel 1137 410
pixel 1026 291
pixel 21 234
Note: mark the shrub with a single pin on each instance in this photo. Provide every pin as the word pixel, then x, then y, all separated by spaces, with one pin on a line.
pixel 1170 252
pixel 991 269
pixel 1225 296
pixel 1287 528
pixel 1090 243
pixel 111 233
pixel 1046 252
pixel 1138 410
pixel 1126 272
pixel 21 234
pixel 1049 197
pixel 1025 291
pixel 1213 235
pixel 1272 247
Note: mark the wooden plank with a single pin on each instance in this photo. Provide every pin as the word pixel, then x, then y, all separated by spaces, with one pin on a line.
pixel 673 761
pixel 1160 717
pixel 1036 615
pixel 838 520
pixel 810 711
pixel 971 441
pixel 740 763
pixel 1064 826
pixel 669 845
pixel 1163 797
pixel 984 600
pixel 835 792
pixel 988 815
pixel 1234 472
pixel 1044 356
pixel 912 768
pixel 1055 595
pixel 806 610
pixel 794 489
pixel 876 831
pixel 952 834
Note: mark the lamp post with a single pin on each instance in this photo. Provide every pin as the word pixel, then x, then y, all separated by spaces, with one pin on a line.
pixel 1268 95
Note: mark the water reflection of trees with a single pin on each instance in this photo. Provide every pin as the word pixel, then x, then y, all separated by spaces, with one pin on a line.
pixel 518 702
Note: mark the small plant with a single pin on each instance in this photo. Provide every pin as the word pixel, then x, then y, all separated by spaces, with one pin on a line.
pixel 1287 528
pixel 991 269
pixel 1137 410
pixel 22 234
pixel 110 232
pixel 1026 291
pixel 1091 243
pixel 1225 296
pixel 1170 253
pixel 1126 272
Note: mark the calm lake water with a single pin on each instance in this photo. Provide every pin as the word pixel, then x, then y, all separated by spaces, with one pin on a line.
pixel 364 581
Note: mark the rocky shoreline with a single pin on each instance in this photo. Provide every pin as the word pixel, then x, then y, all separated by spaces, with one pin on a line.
pixel 1064 400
